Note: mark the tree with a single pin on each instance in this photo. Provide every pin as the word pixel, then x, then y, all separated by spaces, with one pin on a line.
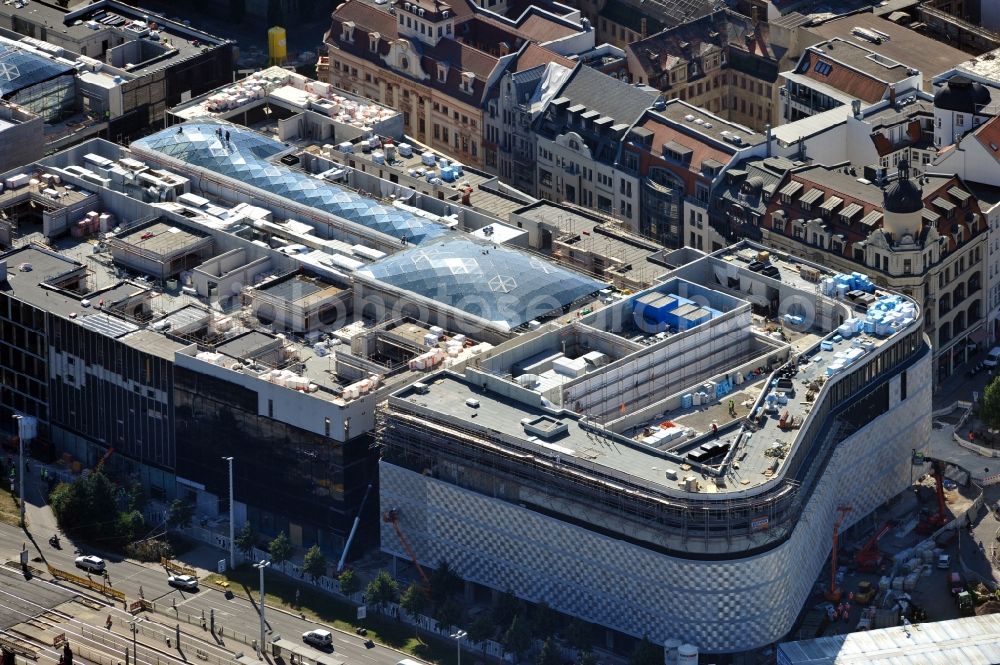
pixel 87 507
pixel 482 628
pixel 137 499
pixel 549 655
pixel 586 657
pixel 645 653
pixel 989 409
pixel 280 549
pixel 130 526
pixel 543 621
pixel 246 539
pixel 505 609
pixel 578 635
pixel 449 614
pixel 180 514
pixel 382 590
pixel 444 582
pixel 517 639
pixel 349 583
pixel 414 600
pixel 314 564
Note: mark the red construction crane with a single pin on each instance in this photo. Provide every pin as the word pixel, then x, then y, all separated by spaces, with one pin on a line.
pixel 833 593
pixel 392 517
pixel 104 458
pixel 932 523
pixel 869 557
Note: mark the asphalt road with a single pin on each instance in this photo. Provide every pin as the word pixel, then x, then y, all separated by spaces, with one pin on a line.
pixel 237 615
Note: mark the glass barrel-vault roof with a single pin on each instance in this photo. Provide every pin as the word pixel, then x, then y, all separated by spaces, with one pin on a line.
pixel 244 157
pixel 20 69
pixel 504 286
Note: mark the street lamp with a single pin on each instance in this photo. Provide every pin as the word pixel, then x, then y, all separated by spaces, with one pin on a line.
pixel 261 566
pixel 457 636
pixel 232 521
pixel 135 650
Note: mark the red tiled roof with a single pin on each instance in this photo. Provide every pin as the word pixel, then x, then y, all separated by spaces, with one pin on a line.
pixel 534 55
pixel 543 28
pixel 988 136
pixel 849 81
pixel 700 151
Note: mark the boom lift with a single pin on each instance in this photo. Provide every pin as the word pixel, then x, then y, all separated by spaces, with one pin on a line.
pixel 932 523
pixel 392 517
pixel 833 593
pixel 869 558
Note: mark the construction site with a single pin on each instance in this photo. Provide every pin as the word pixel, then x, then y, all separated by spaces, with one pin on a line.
pixel 677 443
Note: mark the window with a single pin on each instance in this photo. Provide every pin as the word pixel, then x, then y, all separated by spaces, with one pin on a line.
pixel 959 119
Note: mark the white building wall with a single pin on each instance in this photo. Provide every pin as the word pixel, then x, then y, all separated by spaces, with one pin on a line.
pixel 721 606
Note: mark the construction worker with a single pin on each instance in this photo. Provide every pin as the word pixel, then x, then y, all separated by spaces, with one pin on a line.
pixel 108 622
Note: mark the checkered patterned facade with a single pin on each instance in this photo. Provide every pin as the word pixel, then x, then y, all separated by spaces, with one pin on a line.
pixel 721 606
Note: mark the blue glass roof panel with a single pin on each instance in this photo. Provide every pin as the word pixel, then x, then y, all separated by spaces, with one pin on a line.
pixel 244 156
pixel 504 286
pixel 20 69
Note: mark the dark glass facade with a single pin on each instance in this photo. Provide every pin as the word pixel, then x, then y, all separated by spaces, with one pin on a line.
pixel 23 363
pixel 291 480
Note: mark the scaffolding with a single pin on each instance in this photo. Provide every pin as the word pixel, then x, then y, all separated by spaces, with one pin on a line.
pixel 493 464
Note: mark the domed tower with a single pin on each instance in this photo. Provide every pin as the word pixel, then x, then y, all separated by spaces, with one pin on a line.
pixel 958 99
pixel 902 205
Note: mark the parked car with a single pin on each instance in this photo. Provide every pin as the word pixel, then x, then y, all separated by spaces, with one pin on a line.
pixel 318 638
pixel 186 582
pixel 91 563
pixel 992 357
pixel 944 562
pixel 956 584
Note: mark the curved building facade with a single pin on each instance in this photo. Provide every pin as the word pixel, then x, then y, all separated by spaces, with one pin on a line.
pixel 644 519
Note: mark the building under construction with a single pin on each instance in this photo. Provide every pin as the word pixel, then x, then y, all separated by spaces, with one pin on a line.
pixel 670 464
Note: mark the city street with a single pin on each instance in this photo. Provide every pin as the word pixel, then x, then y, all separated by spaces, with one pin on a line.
pixel 238 617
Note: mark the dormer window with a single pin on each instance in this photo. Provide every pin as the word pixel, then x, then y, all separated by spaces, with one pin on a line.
pixel 407 6
pixel 442 72
pixel 468 78
pixel 420 12
pixel 444 14
pixel 347 34
pixel 373 41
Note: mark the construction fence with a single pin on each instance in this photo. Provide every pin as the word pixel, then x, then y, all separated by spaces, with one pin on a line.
pixel 103 586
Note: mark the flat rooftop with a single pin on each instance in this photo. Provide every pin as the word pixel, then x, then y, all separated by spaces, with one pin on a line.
pixel 448 394
pixel 301 290
pixel 863 58
pixel 163 239
pixel 899 43
pixel 67 195
pixel 248 345
pixel 75 25
pixel 481 199
pixel 153 343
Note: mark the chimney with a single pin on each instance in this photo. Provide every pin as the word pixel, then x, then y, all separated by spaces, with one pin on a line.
pixel 767 133
pixel 892 95
pixel 856 107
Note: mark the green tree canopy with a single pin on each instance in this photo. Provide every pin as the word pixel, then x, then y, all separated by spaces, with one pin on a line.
pixel 314 564
pixel 549 655
pixel 579 635
pixel 517 639
pixel 444 582
pixel 506 607
pixel 482 628
pixel 349 582
pixel 382 589
pixel 989 408
pixel 414 600
pixel 449 614
pixel 645 653
pixel 87 508
pixel 246 539
pixel 280 549
pixel 543 621
pixel 180 514
pixel 130 527
pixel 586 658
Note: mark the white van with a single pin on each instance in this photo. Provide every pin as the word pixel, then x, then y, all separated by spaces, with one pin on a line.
pixel 318 638
pixel 992 358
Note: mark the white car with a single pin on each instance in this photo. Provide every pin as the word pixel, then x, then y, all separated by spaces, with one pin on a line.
pixel 90 563
pixel 318 638
pixel 183 582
